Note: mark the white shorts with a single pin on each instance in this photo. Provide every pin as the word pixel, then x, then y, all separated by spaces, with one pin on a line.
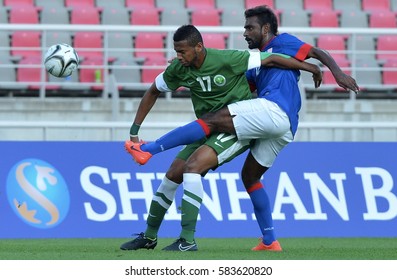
pixel 264 121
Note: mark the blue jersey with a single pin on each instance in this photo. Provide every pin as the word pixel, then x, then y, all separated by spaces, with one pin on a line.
pixel 281 85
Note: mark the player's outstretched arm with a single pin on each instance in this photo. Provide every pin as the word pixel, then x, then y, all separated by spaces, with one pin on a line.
pixel 146 104
pixel 287 62
pixel 343 80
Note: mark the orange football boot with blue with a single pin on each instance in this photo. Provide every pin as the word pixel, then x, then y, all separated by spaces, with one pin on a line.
pixel 134 149
pixel 275 246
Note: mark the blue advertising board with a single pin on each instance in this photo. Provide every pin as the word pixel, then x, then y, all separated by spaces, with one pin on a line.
pixel 94 189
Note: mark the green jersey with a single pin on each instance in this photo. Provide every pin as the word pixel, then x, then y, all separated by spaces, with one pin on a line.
pixel 219 81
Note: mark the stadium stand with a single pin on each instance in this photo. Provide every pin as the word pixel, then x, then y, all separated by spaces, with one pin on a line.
pixel 115 16
pixel 314 5
pixel 324 18
pixel 353 19
pixel 206 17
pixel 79 3
pixel 375 5
pixel 351 5
pixel 174 16
pixel 200 4
pixel 382 19
pixel 140 4
pixel 145 16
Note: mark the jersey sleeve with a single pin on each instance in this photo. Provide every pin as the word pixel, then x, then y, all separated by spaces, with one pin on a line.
pixel 294 47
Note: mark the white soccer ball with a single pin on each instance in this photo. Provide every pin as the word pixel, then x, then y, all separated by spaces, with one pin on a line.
pixel 61 60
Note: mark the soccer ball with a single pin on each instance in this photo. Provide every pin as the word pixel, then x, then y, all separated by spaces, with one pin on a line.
pixel 61 60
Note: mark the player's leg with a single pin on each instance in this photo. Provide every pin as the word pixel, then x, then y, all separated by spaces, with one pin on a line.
pixel 161 202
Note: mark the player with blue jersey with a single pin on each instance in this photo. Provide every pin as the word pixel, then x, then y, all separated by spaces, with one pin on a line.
pixel 271 119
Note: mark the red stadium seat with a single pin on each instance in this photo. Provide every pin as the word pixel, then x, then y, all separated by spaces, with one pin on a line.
pixel 140 3
pixel 375 5
pixel 382 19
pixel 10 3
pixel 254 3
pixel 25 43
pixel 324 18
pixel 29 70
pixel 149 45
pixel 145 16
pixel 335 44
pixel 386 47
pixel 206 17
pixel 88 73
pixel 80 3
pixel 206 4
pixel 214 40
pixel 389 76
pixel 24 14
pixel 313 5
pixel 88 44
pixel 152 67
pixel 85 15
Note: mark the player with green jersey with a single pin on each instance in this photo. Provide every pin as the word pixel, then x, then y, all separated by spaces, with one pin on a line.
pixel 215 78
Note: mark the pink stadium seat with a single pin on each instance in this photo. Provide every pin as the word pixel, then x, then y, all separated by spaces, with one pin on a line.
pixel 382 19
pixel 206 17
pixel 80 3
pixel 335 44
pixel 85 15
pixel 386 47
pixel 324 18
pixel 25 43
pixel 376 5
pixel 88 44
pixel 8 3
pixel 254 3
pixel 312 5
pixel 145 16
pixel 389 76
pixel 152 67
pixel 140 3
pixel 214 40
pixel 152 42
pixel 24 14
pixel 27 73
pixel 193 4
pixel 88 69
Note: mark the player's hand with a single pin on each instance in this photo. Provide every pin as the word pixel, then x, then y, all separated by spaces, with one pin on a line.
pixel 317 77
pixel 346 82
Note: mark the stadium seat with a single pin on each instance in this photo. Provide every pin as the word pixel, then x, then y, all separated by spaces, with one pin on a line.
pixel 393 4
pixel 139 4
pixel 362 47
pixel 231 5
pixel 294 18
pixel 149 45
pixel 177 17
pixel 126 70
pixel 350 5
pixel 174 4
pixel 232 17
pixel 296 5
pixel 368 74
pixel 254 3
pixel 12 3
pixel 375 5
pixel 120 44
pixel 85 15
pixel 29 71
pixel 115 16
pixel 4 44
pixel 206 17
pixel 79 3
pixel 25 43
pixel 145 16
pixel 152 67
pixel 382 19
pixel 335 44
pixel 49 4
pixel 201 4
pixel 308 39
pixel 237 41
pixel 214 40
pixel 88 44
pixel 88 72
pixel 24 14
pixel 8 74
pixel 313 5
pixel 110 4
pixel 54 15
pixel 386 48
pixel 56 37
pixel 324 18
pixel 389 73
pixel 3 15
pixel 353 19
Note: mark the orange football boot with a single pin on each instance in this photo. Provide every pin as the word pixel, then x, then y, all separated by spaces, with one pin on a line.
pixel 134 149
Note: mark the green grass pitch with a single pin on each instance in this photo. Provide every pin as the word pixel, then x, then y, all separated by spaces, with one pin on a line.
pixel 209 249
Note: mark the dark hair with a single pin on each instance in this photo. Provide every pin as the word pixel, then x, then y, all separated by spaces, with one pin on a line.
pixel 188 33
pixel 265 15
